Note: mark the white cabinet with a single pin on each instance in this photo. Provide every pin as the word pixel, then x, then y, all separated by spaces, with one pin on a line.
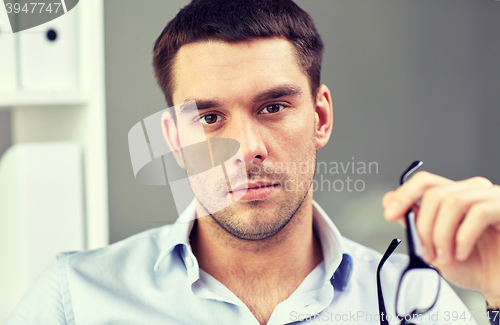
pixel 8 59
pixel 69 105
pixel 48 55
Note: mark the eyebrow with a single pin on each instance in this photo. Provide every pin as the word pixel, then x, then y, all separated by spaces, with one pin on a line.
pixel 273 93
pixel 201 104
pixel 278 92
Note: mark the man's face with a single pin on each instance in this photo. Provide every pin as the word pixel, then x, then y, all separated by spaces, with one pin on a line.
pixel 256 93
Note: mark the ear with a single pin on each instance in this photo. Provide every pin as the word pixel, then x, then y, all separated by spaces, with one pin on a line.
pixel 323 116
pixel 171 135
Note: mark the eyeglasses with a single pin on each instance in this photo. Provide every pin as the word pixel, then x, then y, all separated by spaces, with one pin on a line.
pixel 420 283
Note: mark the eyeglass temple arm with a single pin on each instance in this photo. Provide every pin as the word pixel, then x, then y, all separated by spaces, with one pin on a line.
pixel 409 235
pixel 404 177
pixel 381 305
pixel 410 170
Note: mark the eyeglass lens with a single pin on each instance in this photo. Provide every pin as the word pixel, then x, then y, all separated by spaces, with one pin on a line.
pixel 418 291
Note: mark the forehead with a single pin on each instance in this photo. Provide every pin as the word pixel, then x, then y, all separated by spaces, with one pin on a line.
pixel 214 68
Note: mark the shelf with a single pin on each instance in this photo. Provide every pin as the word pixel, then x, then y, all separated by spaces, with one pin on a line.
pixel 45 98
pixel 37 117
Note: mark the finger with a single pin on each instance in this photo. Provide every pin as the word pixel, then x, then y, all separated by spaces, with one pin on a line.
pixel 452 211
pixel 415 209
pixel 478 219
pixel 387 198
pixel 410 192
pixel 402 221
pixel 429 209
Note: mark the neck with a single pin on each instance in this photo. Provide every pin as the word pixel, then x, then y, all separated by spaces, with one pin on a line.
pixel 285 258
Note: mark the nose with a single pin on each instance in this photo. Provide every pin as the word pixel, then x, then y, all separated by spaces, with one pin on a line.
pixel 251 136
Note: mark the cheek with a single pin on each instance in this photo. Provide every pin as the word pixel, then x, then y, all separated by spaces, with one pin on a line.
pixel 191 133
pixel 296 141
pixel 300 129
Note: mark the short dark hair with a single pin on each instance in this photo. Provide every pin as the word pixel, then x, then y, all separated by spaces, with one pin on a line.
pixel 238 20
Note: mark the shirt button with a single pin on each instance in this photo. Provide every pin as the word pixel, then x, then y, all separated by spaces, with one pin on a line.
pixel 189 261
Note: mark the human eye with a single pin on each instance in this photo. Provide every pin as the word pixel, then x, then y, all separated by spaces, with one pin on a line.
pixel 273 108
pixel 209 119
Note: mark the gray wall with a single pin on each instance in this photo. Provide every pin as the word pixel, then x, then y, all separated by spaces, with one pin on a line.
pixel 410 80
pixel 131 28
pixel 5 131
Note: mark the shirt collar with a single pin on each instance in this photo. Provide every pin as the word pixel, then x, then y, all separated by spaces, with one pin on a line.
pixel 338 263
pixel 177 234
pixel 330 238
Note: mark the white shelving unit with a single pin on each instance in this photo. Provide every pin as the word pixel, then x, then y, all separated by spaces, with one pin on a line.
pixel 77 115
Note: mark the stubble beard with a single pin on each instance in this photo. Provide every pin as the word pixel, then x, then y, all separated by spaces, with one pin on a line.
pixel 262 219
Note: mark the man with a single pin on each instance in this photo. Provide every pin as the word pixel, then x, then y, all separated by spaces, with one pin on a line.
pixel 273 256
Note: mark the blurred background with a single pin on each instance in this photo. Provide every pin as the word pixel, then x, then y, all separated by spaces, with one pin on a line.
pixel 409 80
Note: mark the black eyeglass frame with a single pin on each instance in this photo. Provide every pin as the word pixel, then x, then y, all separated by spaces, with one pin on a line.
pixel 416 262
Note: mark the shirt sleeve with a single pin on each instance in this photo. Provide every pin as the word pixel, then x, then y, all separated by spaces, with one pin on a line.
pixel 42 304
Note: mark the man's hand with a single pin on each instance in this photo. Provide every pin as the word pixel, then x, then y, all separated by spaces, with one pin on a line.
pixel 459 225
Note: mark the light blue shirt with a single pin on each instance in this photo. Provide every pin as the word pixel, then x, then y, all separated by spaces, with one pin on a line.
pixel 154 278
